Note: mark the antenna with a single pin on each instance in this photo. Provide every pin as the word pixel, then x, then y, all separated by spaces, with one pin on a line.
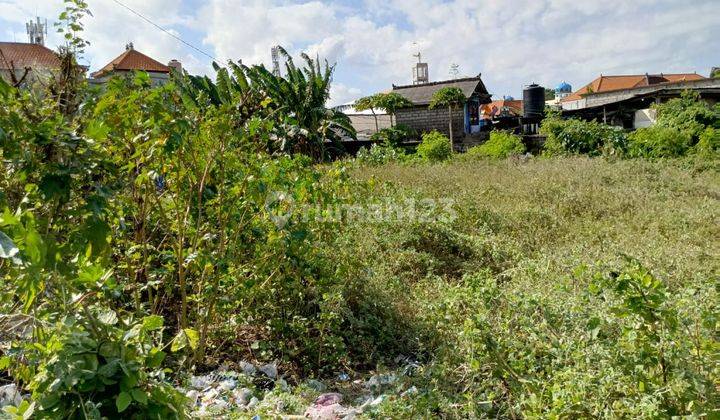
pixel 454 70
pixel 275 53
pixel 37 31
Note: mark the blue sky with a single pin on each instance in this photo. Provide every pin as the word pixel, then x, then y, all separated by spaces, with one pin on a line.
pixel 511 42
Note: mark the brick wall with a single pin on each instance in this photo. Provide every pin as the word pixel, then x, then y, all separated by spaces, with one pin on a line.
pixel 422 119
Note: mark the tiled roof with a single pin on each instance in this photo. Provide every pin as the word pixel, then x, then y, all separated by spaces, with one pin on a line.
pixel 610 83
pixel 21 55
pixel 422 94
pixel 494 108
pixel 132 60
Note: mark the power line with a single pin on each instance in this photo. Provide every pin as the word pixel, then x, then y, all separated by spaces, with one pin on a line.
pixel 166 31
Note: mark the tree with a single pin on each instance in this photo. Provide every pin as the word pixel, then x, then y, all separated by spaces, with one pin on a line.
pixel 391 102
pixel 549 94
pixel 369 103
pixel 450 97
pixel 296 103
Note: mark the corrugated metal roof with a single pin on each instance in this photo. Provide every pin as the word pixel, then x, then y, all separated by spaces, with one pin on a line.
pixel 422 94
pixel 132 60
pixel 20 55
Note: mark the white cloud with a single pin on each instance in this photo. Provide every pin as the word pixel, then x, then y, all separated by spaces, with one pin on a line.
pixel 341 94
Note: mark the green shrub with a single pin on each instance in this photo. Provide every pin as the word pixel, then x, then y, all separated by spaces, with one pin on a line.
pixel 575 136
pixel 435 147
pixel 658 142
pixel 500 146
pixel 688 113
pixel 709 143
pixel 96 366
pixel 394 135
pixel 380 154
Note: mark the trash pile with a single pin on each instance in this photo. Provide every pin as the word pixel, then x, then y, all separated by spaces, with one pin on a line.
pixel 260 391
pixel 226 389
pixel 10 396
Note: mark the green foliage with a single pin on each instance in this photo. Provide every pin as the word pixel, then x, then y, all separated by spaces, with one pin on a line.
pixel 379 154
pixel 295 103
pixel 394 135
pixel 658 142
pixel 574 136
pixel 434 147
pixel 549 94
pixel 99 368
pixel 500 145
pixel 689 114
pixel 447 97
pixel 526 306
pixel 682 123
pixel 154 230
pixel 709 144
pixel 391 102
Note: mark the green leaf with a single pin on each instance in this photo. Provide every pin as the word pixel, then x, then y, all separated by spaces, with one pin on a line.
pixel 29 410
pixel 90 274
pixel 184 338
pixel 155 358
pixel 139 395
pixel 152 323
pixel 97 130
pixel 122 402
pixel 193 337
pixel 7 247
pixel 179 342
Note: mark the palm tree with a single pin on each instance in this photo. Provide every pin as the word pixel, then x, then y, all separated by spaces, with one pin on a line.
pixel 299 99
pixel 296 103
pixel 449 97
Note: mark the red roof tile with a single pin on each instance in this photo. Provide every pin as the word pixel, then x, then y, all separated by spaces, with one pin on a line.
pixel 21 55
pixel 132 60
pixel 610 83
pixel 496 108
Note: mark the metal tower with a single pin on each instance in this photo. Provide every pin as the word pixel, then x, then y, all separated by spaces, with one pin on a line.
pixel 275 53
pixel 37 31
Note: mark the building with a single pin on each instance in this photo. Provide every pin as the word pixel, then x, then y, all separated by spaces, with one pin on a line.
pixel 577 100
pixel 132 60
pixel 626 101
pixel 502 114
pixel 364 121
pixel 465 119
pixel 562 91
pixel 23 64
pixel 507 107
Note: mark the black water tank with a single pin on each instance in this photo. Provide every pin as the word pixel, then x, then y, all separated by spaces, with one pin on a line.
pixel 533 101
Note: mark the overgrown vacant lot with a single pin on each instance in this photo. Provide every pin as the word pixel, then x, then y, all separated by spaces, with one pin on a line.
pixel 564 212
pixel 564 287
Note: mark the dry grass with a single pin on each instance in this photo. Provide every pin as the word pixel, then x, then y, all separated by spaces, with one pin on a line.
pixel 578 210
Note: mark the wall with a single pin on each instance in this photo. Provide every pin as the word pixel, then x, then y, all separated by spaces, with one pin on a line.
pixel 422 119
pixel 33 77
pixel 157 79
pixel 366 123
pixel 644 118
